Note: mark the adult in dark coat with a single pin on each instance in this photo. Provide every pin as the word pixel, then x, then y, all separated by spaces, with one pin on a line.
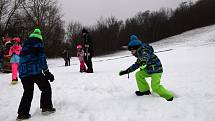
pixel 66 57
pixel 88 50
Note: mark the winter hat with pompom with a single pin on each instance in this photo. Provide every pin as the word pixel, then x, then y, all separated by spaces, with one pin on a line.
pixel 134 43
pixel 16 39
pixel 36 34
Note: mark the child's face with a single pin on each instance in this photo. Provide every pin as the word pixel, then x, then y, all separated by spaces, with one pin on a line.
pixel 133 52
pixel 14 43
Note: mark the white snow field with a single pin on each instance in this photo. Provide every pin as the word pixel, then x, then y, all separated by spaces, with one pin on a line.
pixel 189 72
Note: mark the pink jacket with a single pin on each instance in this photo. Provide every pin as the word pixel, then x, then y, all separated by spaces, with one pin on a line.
pixel 80 55
pixel 14 52
pixel 15 49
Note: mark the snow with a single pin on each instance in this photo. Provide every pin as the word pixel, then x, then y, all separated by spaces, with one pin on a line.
pixel 104 96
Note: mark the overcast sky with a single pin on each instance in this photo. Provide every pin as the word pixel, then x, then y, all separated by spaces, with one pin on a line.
pixel 87 12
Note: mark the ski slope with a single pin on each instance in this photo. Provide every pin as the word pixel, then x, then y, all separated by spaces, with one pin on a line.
pixel 104 96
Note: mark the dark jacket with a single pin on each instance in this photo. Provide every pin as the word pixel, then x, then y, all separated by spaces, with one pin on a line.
pixel 88 44
pixel 66 55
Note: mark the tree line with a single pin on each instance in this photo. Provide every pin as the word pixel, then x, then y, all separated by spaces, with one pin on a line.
pixel 111 34
pixel 19 17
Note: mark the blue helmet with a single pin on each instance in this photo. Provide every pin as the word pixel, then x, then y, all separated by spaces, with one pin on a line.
pixel 134 43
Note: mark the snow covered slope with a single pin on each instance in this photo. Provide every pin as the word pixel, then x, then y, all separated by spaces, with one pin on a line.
pixel 104 96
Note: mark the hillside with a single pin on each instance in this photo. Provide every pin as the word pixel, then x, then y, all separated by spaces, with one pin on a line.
pixel 104 96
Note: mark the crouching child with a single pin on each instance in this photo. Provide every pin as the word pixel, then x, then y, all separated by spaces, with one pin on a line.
pixel 150 66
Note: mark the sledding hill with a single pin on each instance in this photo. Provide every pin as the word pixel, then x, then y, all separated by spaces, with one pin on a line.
pixel 104 96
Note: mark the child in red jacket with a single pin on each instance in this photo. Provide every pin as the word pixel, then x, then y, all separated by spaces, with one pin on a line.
pixel 80 55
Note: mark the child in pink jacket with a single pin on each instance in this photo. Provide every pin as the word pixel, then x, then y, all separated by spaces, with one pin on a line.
pixel 80 55
pixel 14 53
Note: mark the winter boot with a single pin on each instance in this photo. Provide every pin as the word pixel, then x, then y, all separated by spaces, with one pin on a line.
pixel 47 111
pixel 171 99
pixel 21 117
pixel 89 71
pixel 82 70
pixel 138 93
pixel 14 81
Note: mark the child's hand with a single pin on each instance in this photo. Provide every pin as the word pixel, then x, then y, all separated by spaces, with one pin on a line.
pixel 122 72
pixel 86 45
pixel 7 55
pixel 49 76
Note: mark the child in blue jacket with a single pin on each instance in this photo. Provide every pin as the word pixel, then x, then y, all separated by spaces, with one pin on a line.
pixel 150 66
pixel 33 68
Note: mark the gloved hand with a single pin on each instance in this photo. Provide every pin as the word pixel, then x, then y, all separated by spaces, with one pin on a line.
pixel 122 72
pixel 49 76
pixel 86 45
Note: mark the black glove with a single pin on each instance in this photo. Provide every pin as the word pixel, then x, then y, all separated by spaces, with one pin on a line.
pixel 124 72
pixel 49 76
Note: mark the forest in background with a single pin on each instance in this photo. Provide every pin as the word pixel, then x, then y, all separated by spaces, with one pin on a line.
pixel 19 17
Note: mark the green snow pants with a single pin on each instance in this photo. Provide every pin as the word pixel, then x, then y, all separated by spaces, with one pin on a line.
pixel 155 84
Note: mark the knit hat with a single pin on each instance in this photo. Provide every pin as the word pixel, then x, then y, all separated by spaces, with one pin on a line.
pixel 16 39
pixel 36 34
pixel 134 43
pixel 84 30
pixel 37 31
pixel 78 46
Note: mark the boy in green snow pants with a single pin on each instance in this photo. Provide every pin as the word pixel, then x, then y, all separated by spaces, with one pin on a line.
pixel 155 84
pixel 150 66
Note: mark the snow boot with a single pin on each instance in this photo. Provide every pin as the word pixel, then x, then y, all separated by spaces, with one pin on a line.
pixel 21 117
pixel 89 71
pixel 171 99
pixel 47 111
pixel 14 81
pixel 82 70
pixel 138 93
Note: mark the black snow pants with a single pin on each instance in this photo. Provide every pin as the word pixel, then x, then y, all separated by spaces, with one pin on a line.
pixel 28 86
pixel 88 61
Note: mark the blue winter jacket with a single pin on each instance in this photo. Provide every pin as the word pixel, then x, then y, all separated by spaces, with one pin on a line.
pixel 146 59
pixel 32 58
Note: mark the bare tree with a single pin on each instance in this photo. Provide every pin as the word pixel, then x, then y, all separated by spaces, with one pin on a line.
pixel 42 13
pixel 7 10
pixel 45 14
pixel 105 34
pixel 73 28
